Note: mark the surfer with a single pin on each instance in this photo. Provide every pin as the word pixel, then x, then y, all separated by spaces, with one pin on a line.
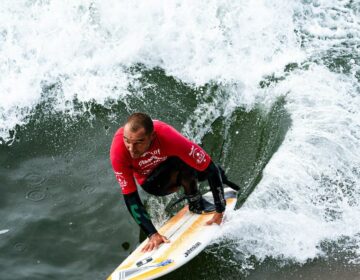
pixel 155 156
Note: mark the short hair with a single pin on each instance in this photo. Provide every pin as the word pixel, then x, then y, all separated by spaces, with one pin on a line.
pixel 140 120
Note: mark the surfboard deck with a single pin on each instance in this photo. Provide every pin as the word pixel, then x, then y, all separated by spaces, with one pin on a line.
pixel 188 235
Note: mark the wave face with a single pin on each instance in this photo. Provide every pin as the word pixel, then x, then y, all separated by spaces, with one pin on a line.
pixel 275 84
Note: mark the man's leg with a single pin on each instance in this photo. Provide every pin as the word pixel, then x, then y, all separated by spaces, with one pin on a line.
pixel 164 179
pixel 169 176
pixel 189 180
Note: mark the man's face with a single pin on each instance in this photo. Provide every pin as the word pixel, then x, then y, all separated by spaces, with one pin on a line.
pixel 137 143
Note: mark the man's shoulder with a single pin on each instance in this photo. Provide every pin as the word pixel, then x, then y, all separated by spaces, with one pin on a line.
pixel 120 132
pixel 163 127
pixel 118 137
pixel 169 135
pixel 117 146
pixel 160 124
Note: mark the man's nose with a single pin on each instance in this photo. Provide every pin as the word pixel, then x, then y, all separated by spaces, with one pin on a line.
pixel 131 147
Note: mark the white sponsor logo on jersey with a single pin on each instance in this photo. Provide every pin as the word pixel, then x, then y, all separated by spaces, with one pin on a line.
pixel 120 178
pixel 197 154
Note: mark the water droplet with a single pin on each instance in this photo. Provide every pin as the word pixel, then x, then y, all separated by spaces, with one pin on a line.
pixel 66 172
pixel 20 247
pixel 35 195
pixel 87 188
pixel 34 179
pixel 58 197
pixel 80 203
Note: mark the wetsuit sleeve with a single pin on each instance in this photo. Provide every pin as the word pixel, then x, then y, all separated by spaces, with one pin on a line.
pixel 138 212
pixel 214 178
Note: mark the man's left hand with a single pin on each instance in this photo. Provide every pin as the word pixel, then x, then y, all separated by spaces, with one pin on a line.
pixel 216 218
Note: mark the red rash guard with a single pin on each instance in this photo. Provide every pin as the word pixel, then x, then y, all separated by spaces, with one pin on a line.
pixel 168 142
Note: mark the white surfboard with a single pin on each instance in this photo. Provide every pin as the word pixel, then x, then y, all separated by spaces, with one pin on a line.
pixel 188 235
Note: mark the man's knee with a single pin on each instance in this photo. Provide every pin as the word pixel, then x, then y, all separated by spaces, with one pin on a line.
pixel 187 175
pixel 164 179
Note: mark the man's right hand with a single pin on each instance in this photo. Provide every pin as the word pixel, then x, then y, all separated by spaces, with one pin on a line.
pixel 216 218
pixel 154 241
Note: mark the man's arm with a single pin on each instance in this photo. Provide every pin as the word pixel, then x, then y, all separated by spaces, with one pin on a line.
pixel 214 178
pixel 141 217
pixel 124 175
pixel 139 213
pixel 216 186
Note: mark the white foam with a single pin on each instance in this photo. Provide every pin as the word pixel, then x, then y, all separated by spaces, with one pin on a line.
pixel 310 189
pixel 4 231
pixel 85 46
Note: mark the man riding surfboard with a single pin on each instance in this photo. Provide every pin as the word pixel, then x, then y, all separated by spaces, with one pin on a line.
pixel 157 157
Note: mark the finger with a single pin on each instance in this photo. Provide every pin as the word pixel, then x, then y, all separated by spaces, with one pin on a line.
pixel 215 219
pixel 218 220
pixel 154 244
pixel 144 249
pixel 166 240
pixel 150 247
pixel 210 222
